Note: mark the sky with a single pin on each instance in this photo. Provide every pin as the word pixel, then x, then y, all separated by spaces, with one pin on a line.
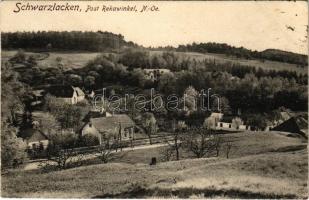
pixel 254 25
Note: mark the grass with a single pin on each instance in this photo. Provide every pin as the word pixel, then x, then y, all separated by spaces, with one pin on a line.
pixel 264 172
pixel 69 59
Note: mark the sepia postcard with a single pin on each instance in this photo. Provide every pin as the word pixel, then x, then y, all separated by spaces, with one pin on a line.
pixel 154 99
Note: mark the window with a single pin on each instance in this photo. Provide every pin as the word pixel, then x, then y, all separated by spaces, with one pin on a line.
pixel 221 124
pixel 230 125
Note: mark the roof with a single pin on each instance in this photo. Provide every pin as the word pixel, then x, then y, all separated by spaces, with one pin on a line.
pixel 79 91
pixel 216 115
pixel 285 115
pixel 35 135
pixel 38 93
pixel 227 119
pixel 294 125
pixel 63 91
pixel 103 124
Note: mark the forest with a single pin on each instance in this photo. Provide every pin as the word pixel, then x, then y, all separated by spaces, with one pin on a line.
pixel 54 40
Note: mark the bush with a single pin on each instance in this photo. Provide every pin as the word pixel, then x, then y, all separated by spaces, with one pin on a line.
pixel 13 149
pixel 89 140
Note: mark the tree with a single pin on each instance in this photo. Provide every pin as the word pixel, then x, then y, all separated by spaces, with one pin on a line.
pixel 228 149
pixel 13 149
pixel 104 151
pixel 201 142
pixel 61 149
pixel 75 79
pixel 257 121
pixel 237 121
pixel 149 123
pixel 223 106
pixel 19 57
pixel 190 98
pixel 68 116
pixel 175 144
pixel 89 81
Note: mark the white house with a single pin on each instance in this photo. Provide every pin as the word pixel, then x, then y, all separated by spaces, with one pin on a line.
pixel 230 123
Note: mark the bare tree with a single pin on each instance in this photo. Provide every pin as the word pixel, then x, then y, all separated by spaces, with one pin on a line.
pixel 105 149
pixel 218 144
pixel 177 135
pixel 150 125
pixel 228 149
pixel 62 157
pixel 202 142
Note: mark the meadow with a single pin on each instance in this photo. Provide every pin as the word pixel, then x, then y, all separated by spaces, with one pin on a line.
pixel 274 168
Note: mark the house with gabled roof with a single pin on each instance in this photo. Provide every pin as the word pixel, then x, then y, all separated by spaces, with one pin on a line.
pixel 67 93
pixel 115 127
pixel 36 139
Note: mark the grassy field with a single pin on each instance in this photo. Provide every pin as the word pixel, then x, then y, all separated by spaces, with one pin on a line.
pixel 265 165
pixel 69 59
pixel 221 58
pixel 80 59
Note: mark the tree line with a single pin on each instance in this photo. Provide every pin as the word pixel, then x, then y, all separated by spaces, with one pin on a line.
pixel 241 52
pixel 65 40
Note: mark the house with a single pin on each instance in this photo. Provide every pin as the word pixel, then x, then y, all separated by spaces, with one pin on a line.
pixel 116 127
pixel 296 124
pixel 36 139
pixel 68 94
pixel 230 123
pixel 154 74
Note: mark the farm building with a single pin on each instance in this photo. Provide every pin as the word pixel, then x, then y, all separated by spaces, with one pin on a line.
pixel 294 125
pixel 232 123
pixel 69 94
pixel 36 139
pixel 115 127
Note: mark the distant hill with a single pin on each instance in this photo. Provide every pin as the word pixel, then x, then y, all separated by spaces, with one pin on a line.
pixel 284 56
pixel 241 52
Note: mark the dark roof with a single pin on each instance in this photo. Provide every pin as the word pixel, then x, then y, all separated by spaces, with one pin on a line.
pixel 293 125
pixel 93 114
pixel 227 119
pixel 112 123
pixel 34 135
pixel 63 91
